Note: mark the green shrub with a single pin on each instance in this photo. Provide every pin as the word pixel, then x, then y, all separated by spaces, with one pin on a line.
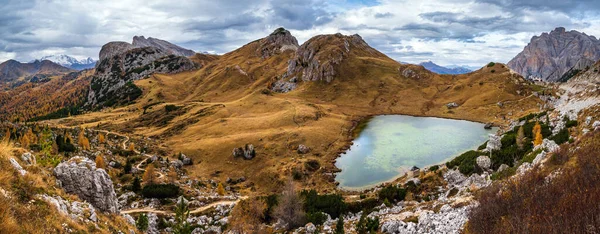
pixel 142 222
pixel 466 162
pixel 367 225
pixel 491 64
pixel 160 191
pixel 136 186
pixel 316 218
pixel 332 204
pixel 169 108
pixel 508 172
pixel 571 123
pixel 364 205
pixel 434 168
pixel 482 146
pixel 561 137
pixel 392 193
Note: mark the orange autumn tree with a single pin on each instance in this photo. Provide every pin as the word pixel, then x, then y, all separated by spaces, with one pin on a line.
pixel 537 133
pixel 100 162
pixel 220 189
pixel 101 138
pixel 148 176
pixel 83 141
pixel 132 147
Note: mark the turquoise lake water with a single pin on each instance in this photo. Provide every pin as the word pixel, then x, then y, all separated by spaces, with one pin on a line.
pixel 390 145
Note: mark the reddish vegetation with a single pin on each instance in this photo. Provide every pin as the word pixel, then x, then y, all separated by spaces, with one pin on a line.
pixel 38 99
pixel 568 204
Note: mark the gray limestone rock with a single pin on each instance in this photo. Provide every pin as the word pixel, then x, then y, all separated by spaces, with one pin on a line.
pixel 81 177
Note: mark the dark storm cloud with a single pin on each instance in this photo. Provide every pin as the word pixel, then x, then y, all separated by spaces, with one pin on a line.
pixel 299 15
pixel 566 6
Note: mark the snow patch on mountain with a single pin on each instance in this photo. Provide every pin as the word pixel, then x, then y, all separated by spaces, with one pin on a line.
pixel 71 62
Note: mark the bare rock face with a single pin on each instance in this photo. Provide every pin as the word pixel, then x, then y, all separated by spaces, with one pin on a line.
pixel 556 55
pixel 141 41
pixel 278 41
pixel 121 63
pixel 80 176
pixel 318 58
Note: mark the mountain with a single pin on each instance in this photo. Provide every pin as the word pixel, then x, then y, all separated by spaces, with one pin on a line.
pixel 70 62
pixel 121 63
pixel 141 41
pixel 557 55
pixel 455 70
pixel 12 70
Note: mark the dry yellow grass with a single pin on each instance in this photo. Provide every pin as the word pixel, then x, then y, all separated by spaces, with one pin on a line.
pixel 22 212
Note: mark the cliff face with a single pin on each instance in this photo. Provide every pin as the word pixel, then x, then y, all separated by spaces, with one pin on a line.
pixel 121 63
pixel 551 56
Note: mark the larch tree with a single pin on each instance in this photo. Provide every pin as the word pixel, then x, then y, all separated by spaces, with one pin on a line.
pixel 290 208
pixel 220 189
pixel 101 138
pixel 131 147
pixel 521 138
pixel 537 133
pixel 247 215
pixel 148 176
pixel 100 162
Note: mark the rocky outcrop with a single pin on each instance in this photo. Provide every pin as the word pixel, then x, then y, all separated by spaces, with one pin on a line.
pixel 247 152
pixel 551 56
pixel 278 41
pixel 81 177
pixel 121 63
pixel 74 210
pixel 484 162
pixel 494 143
pixel 28 158
pixel 303 149
pixel 318 58
pixel 17 167
pixel 448 220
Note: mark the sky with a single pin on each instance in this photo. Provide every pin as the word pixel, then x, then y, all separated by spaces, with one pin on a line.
pixel 448 32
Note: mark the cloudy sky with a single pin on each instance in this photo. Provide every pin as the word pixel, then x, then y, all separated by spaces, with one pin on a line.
pixel 464 32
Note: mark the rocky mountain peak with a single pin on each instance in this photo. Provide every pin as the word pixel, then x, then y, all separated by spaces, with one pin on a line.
pixel 551 56
pixel 170 48
pixel 278 41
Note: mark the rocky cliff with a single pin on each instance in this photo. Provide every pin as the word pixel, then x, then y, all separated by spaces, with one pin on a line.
pixel 557 55
pixel 121 63
pixel 278 41
pixel 81 177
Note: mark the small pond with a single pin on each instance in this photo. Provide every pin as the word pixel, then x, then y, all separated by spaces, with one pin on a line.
pixel 389 145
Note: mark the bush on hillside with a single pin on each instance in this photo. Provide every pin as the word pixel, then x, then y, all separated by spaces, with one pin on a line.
pixel 392 193
pixel 332 204
pixel 160 191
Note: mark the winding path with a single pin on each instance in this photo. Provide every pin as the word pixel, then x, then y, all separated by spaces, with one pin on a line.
pixel 194 211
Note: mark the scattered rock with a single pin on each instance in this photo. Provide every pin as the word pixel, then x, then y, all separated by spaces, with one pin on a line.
pixel 177 163
pixel 80 176
pixel 484 162
pixel 548 146
pixel 28 158
pixel 539 158
pixel 75 210
pixel 310 228
pixel 452 105
pixel 502 167
pixel 409 73
pixel 596 124
pixel 186 160
pixel 247 152
pixel 17 167
pixel 588 120
pixel 303 149
pixel 488 126
pixel 494 143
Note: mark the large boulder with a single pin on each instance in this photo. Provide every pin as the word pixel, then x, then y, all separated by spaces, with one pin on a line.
pixel 494 143
pixel 303 149
pixel 484 162
pixel 80 176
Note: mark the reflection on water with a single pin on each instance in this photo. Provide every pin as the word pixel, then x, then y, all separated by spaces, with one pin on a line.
pixel 390 144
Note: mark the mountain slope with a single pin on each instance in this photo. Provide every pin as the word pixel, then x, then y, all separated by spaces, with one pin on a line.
pixel 444 70
pixel 70 62
pixel 11 70
pixel 551 56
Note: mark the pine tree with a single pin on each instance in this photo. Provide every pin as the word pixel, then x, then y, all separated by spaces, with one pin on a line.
pixel 339 226
pixel 220 190
pixel 182 212
pixel 142 222
pixel 137 185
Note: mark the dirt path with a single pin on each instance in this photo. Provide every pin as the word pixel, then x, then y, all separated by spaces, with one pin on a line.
pixel 194 211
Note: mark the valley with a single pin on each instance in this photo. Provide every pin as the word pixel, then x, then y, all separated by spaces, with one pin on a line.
pixel 157 138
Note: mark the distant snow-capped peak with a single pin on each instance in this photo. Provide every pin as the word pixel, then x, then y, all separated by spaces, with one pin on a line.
pixel 67 61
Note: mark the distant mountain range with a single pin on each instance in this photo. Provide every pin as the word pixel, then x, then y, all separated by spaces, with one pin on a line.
pixel 450 70
pixel 12 70
pixel 556 56
pixel 70 62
